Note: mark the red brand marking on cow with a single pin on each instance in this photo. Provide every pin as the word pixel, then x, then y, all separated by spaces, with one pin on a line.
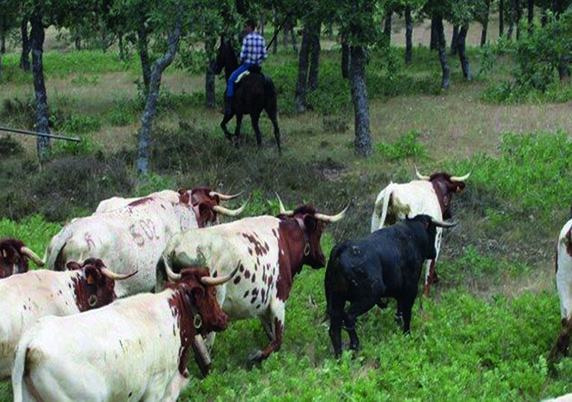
pixel 140 201
pixel 89 241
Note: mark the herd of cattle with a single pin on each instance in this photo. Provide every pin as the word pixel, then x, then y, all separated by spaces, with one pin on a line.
pixel 179 276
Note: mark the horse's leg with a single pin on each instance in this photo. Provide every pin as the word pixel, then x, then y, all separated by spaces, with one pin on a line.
pixel 255 117
pixel 237 130
pixel 274 121
pixel 223 123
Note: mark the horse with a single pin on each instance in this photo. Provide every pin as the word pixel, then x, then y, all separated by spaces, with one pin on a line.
pixel 253 93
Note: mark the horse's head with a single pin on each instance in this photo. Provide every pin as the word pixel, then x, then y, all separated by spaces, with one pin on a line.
pixel 225 58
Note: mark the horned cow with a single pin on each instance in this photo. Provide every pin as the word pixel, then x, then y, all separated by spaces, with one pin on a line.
pixel 430 195
pixel 14 257
pixel 272 250
pixel 134 349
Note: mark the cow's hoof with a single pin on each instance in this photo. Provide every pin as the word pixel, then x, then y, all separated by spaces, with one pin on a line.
pixel 255 356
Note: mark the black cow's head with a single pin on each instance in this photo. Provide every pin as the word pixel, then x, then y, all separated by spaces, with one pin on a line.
pixel 429 226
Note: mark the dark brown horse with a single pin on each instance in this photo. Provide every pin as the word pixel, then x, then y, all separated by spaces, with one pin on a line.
pixel 252 94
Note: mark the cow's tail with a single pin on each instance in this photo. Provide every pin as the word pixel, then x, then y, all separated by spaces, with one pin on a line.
pixel 55 248
pixel 381 207
pixel 18 370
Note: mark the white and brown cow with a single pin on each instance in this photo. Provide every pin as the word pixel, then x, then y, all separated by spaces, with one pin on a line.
pixel 564 286
pixel 135 349
pixel 431 195
pixel 29 296
pixel 14 257
pixel 272 250
pixel 133 236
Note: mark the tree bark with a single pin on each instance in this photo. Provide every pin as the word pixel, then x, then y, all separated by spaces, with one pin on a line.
pixel 485 23
pixel 43 145
pixel 142 47
pixel 276 24
pixel 501 17
pixel 363 145
pixel 530 12
pixel 544 18
pixel 512 18
pixel 387 26
pixel 151 104
pixel 518 18
pixel 294 41
pixel 345 59
pixel 210 45
pixel 454 40
pixel 25 55
pixel 462 48
pixel 438 22
pixel 314 56
pixel 303 64
pixel 408 34
pixel 434 44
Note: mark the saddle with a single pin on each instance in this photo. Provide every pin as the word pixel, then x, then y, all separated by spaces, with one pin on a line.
pixel 250 70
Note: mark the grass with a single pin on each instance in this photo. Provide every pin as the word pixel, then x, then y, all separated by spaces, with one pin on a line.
pixel 492 318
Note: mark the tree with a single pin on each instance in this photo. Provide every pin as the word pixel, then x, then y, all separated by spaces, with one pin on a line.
pixel 360 26
pixel 8 21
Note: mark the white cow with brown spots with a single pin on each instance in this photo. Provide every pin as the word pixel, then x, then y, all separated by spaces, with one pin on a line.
pixel 272 250
pixel 133 236
pixel 564 286
pixel 29 296
pixel 431 195
pixel 135 349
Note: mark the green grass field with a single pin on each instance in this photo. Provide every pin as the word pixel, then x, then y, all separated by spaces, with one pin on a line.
pixel 487 329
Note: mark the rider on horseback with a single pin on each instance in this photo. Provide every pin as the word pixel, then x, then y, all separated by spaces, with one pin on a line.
pixel 252 54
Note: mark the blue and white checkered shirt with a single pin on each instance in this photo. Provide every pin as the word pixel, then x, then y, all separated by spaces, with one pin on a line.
pixel 253 49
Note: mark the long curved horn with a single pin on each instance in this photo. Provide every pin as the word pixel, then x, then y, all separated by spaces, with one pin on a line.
pixel 329 218
pixel 173 277
pixel 31 255
pixel 419 175
pixel 442 224
pixel 462 178
pixel 225 197
pixel 202 349
pixel 210 281
pixel 228 212
pixel 282 209
pixel 117 277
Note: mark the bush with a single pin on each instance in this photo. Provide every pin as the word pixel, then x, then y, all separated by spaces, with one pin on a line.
pixel 406 146
pixel 10 147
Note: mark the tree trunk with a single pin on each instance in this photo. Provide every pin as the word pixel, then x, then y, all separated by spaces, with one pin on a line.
pixel 454 40
pixel 485 23
pixel 530 12
pixel 501 17
pixel 363 145
pixel 285 28
pixel 25 55
pixel 314 56
pixel 512 18
pixel 142 47
pixel 387 26
pixel 464 59
pixel 41 98
pixel 438 22
pixel 345 59
pixel 544 18
pixel 151 104
pixel 518 18
pixel 210 45
pixel 408 34
pixel 276 24
pixel 303 63
pixel 434 44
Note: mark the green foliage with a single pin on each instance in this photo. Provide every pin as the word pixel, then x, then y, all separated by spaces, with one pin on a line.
pixel 33 230
pixel 84 147
pixel 532 170
pixel 125 111
pixel 406 146
pixel 85 80
pixel 86 62
pixel 79 124
pixel 10 147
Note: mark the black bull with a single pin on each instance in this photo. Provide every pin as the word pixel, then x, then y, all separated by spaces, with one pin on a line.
pixel 252 95
pixel 387 263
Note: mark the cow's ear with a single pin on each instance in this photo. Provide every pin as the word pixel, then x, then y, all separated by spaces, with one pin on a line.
pixel 310 222
pixel 92 275
pixel 183 196
pixel 72 266
pixel 205 211
pixel 460 186
pixel 4 253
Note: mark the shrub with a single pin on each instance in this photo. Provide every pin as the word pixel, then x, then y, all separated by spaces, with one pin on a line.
pixel 10 147
pixel 406 146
